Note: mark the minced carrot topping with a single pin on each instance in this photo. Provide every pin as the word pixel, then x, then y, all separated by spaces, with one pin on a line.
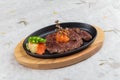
pixel 62 34
pixel 62 37
pixel 41 48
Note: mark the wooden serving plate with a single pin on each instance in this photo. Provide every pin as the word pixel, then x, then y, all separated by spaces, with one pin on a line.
pixel 38 63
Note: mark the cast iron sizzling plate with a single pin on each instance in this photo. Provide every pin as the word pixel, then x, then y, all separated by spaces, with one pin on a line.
pixel 50 29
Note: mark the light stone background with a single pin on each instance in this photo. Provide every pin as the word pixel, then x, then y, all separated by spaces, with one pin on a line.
pixel 104 65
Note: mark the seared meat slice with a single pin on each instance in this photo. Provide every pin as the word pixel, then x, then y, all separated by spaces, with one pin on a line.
pixel 84 34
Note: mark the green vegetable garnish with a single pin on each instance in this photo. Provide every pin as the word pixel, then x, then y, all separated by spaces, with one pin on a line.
pixel 36 39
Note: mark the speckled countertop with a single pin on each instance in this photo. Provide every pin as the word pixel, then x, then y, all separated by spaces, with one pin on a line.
pixel 19 18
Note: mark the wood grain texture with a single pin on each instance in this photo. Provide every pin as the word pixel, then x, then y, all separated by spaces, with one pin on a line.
pixel 39 63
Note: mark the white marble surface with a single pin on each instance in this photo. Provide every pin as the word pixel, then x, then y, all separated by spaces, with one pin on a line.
pixel 105 65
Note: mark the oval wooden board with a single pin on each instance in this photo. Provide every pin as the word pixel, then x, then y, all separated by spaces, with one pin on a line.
pixel 38 63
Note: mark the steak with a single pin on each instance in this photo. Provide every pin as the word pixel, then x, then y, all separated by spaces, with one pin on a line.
pixel 76 36
pixel 84 34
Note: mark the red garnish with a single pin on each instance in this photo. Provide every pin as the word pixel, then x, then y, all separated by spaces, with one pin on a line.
pixel 62 34
pixel 41 48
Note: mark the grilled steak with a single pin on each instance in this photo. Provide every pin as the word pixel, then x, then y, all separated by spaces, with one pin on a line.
pixel 85 35
pixel 76 36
